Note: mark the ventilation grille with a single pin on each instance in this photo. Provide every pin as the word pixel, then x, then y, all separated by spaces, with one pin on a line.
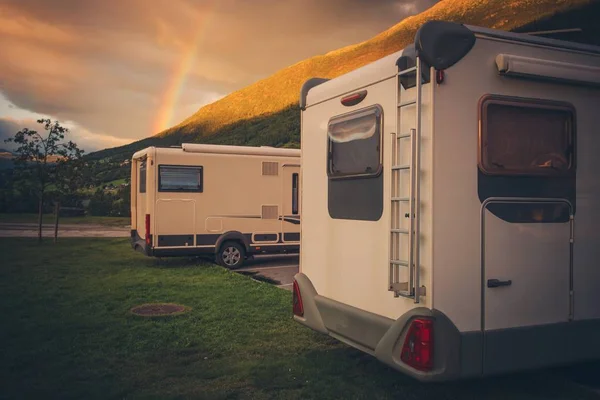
pixel 270 212
pixel 270 168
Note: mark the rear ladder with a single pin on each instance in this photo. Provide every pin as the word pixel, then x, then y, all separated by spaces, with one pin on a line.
pixel 405 284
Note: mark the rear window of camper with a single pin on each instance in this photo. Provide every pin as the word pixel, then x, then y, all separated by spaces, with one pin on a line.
pixel 295 194
pixel 355 143
pixel 526 137
pixel 178 178
pixel 143 177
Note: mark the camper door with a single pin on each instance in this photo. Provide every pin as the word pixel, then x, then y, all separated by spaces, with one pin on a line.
pixel 527 186
pixel 290 201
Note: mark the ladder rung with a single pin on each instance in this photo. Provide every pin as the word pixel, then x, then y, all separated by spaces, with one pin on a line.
pixel 407 103
pixel 400 263
pixel 407 71
pixel 400 199
pixel 406 135
pixel 400 167
pixel 399 231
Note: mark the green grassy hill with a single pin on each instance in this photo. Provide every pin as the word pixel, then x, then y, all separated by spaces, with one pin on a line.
pixel 266 112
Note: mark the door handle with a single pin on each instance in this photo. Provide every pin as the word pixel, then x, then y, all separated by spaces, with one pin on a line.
pixel 492 283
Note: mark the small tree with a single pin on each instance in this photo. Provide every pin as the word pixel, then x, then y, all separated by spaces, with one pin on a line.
pixel 44 161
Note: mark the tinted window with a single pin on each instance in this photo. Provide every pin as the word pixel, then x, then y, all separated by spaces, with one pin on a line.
pixel 354 144
pixel 179 179
pixel 143 177
pixel 295 194
pixel 526 137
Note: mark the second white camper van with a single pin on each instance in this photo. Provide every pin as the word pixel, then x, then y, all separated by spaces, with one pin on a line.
pixel 450 227
pixel 226 201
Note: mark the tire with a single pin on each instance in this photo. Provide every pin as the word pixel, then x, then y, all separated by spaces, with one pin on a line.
pixel 231 255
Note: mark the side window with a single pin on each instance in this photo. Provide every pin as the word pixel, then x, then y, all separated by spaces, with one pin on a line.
pixel 142 179
pixel 355 144
pixel 295 194
pixel 180 178
pixel 526 137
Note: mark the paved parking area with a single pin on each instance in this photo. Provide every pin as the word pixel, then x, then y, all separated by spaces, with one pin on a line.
pixel 276 269
pixel 64 230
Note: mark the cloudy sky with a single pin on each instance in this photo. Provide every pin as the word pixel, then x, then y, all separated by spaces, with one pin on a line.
pixel 119 71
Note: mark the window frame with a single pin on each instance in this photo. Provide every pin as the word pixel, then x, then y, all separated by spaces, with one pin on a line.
pixel 349 116
pixel 142 176
pixel 523 102
pixel 200 190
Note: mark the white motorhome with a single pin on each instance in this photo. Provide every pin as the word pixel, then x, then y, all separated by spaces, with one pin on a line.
pixel 450 223
pixel 227 201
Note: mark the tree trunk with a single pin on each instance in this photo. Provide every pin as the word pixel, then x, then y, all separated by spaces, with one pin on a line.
pixel 57 211
pixel 40 215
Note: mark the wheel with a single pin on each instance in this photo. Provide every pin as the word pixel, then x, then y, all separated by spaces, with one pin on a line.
pixel 231 255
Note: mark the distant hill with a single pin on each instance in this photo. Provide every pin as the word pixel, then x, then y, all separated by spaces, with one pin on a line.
pixel 266 112
pixel 6 159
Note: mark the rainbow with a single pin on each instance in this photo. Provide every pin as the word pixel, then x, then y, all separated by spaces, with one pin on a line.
pixel 180 73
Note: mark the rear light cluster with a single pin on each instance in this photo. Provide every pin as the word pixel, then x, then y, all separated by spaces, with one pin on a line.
pixel 148 239
pixel 418 345
pixel 297 300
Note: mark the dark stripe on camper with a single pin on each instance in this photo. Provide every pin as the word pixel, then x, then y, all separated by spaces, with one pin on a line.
pixel 207 239
pixel 175 240
pixel 266 237
pixel 291 237
pixel 291 219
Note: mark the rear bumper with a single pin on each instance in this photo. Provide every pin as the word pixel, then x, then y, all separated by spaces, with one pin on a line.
pixel 457 355
pixel 139 244
pixel 383 337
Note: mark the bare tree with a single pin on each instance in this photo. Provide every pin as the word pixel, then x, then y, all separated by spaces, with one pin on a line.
pixel 45 160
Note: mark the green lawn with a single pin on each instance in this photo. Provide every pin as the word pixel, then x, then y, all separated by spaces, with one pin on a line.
pixel 49 219
pixel 66 332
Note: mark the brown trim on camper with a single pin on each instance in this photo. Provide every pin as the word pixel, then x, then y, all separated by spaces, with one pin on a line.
pixel 291 237
pixel 212 242
pixel 175 240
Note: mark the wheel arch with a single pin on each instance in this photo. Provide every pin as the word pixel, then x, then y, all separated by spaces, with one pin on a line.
pixel 233 236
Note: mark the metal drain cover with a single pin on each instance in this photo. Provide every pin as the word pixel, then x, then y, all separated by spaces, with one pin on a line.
pixel 158 309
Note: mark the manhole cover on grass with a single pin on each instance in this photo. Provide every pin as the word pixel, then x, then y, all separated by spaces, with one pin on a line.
pixel 159 309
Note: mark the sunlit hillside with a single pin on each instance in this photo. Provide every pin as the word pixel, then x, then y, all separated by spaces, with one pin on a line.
pixel 266 112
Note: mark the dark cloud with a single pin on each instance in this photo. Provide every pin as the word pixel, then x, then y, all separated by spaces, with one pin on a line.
pixel 85 139
pixel 8 128
pixel 109 65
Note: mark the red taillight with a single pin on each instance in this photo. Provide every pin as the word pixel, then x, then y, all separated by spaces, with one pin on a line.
pixel 148 229
pixel 418 345
pixel 297 299
pixel 439 76
pixel 354 98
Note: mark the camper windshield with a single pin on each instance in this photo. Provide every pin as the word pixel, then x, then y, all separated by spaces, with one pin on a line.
pixel 179 179
pixel 354 143
pixel 520 138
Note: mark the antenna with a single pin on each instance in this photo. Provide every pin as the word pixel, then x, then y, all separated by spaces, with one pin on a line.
pixel 555 31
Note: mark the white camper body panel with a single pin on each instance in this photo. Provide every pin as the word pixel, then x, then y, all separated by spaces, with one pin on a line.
pixel 246 195
pixel 507 260
pixel 357 253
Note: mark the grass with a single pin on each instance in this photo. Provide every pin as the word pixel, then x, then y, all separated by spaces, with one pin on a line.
pixel 49 219
pixel 67 332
